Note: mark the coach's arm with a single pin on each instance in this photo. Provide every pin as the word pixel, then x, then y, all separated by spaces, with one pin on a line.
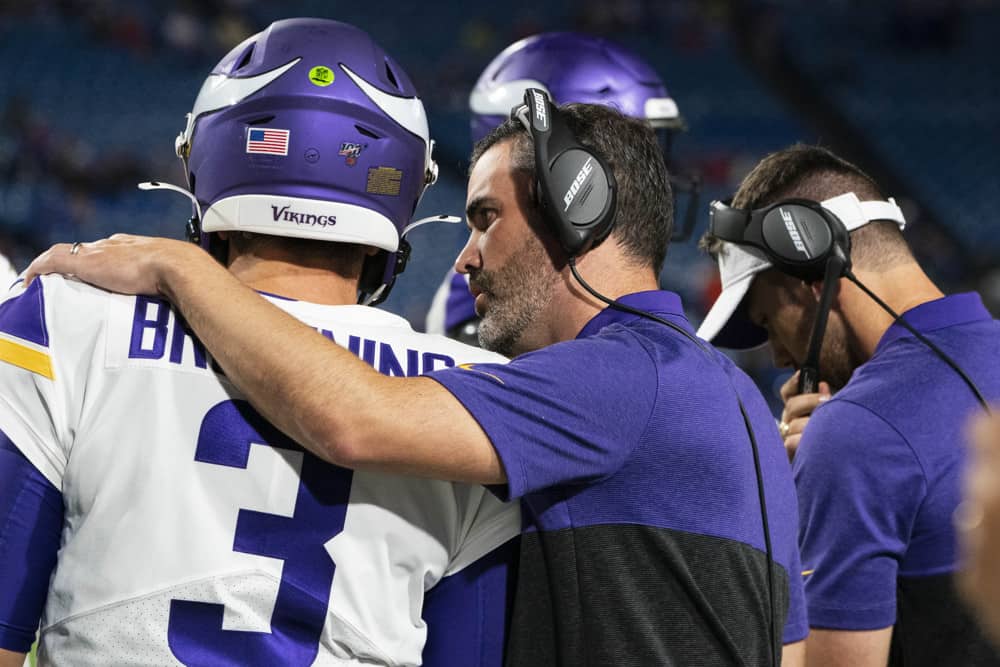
pixel 318 393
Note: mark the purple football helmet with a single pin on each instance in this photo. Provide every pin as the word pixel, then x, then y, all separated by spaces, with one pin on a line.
pixel 571 67
pixel 309 129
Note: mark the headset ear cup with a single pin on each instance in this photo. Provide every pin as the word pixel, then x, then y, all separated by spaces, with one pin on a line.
pixel 576 188
pixel 582 197
pixel 798 237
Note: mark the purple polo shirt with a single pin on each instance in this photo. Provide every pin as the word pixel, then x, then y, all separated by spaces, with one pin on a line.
pixel 643 539
pixel 878 479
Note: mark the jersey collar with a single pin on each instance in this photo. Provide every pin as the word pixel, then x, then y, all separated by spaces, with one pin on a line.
pixel 355 313
pixel 947 311
pixel 657 302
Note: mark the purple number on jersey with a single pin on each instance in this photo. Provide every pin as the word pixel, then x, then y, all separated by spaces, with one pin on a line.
pixel 195 632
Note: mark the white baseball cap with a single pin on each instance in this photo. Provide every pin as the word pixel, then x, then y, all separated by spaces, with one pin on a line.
pixel 727 323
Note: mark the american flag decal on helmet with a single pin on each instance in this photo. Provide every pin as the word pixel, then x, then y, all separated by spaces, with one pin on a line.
pixel 268 141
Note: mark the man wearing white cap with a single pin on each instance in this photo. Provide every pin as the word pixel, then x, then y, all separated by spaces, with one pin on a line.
pixel 877 470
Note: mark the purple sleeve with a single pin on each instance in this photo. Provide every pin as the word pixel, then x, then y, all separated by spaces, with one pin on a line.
pixel 859 487
pixel 31 517
pixel 568 414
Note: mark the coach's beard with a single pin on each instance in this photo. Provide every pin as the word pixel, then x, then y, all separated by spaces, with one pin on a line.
pixel 516 294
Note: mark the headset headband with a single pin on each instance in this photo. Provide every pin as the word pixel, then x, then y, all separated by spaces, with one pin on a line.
pixel 576 188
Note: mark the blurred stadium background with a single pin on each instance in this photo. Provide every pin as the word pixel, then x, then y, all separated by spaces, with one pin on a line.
pixel 93 92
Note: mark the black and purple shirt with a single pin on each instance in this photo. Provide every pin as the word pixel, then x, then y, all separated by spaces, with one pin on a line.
pixel 643 541
pixel 878 475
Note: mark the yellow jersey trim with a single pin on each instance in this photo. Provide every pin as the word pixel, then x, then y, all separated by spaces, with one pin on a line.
pixel 24 357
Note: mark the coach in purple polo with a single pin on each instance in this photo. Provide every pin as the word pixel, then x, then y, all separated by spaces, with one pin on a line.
pixel 645 541
pixel 878 466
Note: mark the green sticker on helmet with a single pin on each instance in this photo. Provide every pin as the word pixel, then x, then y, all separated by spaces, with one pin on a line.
pixel 321 76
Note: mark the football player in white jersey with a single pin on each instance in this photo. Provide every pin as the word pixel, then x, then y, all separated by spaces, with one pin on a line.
pixel 149 515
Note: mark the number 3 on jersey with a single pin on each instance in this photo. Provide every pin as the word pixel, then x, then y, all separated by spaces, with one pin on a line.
pixel 195 630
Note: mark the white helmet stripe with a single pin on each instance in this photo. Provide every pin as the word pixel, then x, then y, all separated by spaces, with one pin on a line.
pixel 407 111
pixel 220 91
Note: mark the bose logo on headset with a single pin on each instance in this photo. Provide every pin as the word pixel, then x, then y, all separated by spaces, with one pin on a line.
pixel 793 232
pixel 541 112
pixel 578 182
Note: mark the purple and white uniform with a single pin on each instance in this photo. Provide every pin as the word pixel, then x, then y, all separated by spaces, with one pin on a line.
pixel 180 527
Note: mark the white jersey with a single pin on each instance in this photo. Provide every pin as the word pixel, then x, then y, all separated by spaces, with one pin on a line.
pixel 194 530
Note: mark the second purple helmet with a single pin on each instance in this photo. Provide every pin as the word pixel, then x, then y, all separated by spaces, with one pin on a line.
pixel 571 67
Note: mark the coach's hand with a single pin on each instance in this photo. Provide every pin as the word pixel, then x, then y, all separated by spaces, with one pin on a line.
pixel 122 263
pixel 798 408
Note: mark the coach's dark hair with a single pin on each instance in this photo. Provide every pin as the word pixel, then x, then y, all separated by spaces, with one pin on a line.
pixel 804 171
pixel 629 147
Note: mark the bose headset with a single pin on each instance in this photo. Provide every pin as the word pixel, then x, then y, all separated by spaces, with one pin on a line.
pixel 577 194
pixel 802 238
